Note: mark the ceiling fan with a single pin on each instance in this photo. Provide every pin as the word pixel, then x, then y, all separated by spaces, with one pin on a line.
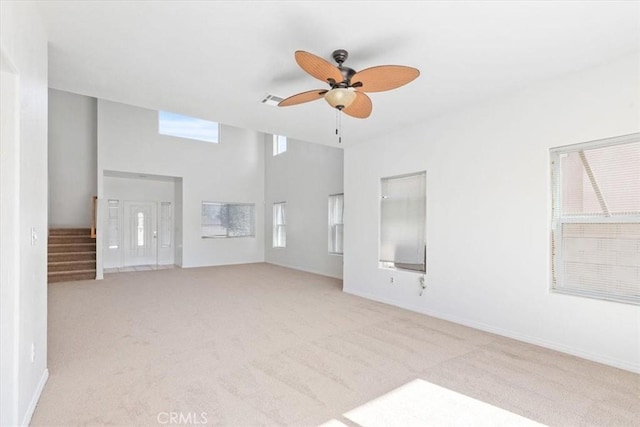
pixel 346 86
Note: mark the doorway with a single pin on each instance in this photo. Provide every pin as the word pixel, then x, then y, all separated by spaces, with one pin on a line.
pixel 141 222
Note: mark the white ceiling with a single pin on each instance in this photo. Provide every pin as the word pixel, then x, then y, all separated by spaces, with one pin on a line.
pixel 217 59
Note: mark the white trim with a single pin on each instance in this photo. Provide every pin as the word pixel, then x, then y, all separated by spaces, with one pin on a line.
pixel 35 398
pixel 306 270
pixel 632 367
pixel 589 145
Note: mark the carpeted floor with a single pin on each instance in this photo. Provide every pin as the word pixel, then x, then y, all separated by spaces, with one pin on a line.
pixel 260 344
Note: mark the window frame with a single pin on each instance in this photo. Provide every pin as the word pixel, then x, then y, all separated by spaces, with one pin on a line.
pixel 182 136
pixel 391 265
pixel 113 224
pixel 276 243
pixel 227 236
pixel 556 275
pixel 332 244
pixel 276 145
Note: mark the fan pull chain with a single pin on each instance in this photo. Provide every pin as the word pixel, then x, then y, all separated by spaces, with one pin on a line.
pixel 339 125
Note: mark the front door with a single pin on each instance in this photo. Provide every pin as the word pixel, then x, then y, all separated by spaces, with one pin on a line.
pixel 140 233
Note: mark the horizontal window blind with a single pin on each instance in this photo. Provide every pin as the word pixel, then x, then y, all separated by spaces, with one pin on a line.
pixel 596 219
pixel 279 225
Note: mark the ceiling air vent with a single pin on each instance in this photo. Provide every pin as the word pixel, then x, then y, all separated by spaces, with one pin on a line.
pixel 272 100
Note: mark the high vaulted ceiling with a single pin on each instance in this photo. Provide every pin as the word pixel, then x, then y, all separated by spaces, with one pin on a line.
pixel 218 59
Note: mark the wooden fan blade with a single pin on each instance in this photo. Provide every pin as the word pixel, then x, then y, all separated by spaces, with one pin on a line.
pixel 300 98
pixel 384 77
pixel 318 67
pixel 360 108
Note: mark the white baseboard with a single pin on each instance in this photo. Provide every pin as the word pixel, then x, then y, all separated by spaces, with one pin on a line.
pixel 34 400
pixel 306 270
pixel 186 266
pixel 627 366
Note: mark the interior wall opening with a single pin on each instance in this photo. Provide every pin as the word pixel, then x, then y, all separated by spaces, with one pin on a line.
pixel 141 221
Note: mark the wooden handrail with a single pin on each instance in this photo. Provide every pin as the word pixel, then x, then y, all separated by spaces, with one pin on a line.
pixel 93 217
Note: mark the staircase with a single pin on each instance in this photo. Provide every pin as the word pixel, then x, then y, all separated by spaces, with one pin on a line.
pixel 72 255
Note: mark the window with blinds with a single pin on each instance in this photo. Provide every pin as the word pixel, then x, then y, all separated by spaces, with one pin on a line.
pixel 279 225
pixel 227 219
pixel 596 219
pixel 336 223
pixel 403 208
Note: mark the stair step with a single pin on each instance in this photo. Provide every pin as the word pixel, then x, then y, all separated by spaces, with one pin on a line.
pixel 59 266
pixel 71 247
pixel 72 256
pixel 68 276
pixel 54 240
pixel 69 232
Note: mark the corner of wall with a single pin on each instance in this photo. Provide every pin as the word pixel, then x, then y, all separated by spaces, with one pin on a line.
pixel 35 398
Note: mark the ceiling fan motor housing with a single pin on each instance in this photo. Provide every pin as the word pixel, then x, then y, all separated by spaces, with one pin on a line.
pixel 347 73
pixel 340 55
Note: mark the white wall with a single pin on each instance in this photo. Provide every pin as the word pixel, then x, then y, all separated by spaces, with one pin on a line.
pixel 72 158
pixel 23 46
pixel 9 243
pixel 147 189
pixel 304 176
pixel 488 213
pixel 232 171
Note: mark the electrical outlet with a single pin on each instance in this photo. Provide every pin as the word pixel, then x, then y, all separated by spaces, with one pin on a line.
pixel 33 352
pixel 393 280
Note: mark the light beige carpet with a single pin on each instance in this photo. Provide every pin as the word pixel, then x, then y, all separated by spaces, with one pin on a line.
pixel 259 344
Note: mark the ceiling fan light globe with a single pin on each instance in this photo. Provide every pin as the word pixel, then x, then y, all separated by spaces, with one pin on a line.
pixel 340 97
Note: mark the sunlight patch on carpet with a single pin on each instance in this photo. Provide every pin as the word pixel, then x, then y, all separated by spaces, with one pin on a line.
pixel 420 403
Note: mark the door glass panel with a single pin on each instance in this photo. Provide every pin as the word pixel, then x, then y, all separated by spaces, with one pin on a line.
pixel 142 247
pixel 140 229
pixel 113 229
pixel 165 224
